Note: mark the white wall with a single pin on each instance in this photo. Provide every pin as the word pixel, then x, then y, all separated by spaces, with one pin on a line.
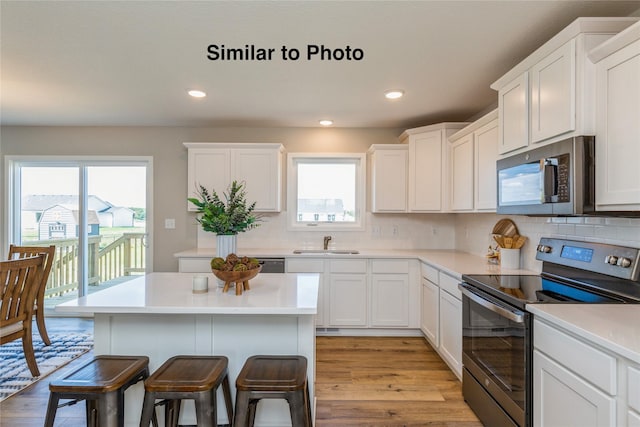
pixel 466 232
pixel 473 232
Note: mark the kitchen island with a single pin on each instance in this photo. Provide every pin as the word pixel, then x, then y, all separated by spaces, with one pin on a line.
pixel 159 316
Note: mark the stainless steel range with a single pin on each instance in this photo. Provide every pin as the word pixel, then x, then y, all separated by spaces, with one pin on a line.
pixel 497 347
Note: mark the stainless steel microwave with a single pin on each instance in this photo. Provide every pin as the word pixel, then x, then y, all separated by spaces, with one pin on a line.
pixel 553 180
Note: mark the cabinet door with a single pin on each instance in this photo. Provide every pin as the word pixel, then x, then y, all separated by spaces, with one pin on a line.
pixel 209 168
pixel 389 181
pixel 560 398
pixel 425 172
pixel 513 114
pixel 451 331
pixel 390 300
pixel 347 300
pixel 618 130
pixel 462 174
pixel 486 154
pixel 553 94
pixel 429 322
pixel 260 170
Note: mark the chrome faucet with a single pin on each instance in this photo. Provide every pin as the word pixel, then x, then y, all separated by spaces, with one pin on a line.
pixel 326 242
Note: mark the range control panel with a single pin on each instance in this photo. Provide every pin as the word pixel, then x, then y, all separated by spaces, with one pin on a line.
pixel 612 260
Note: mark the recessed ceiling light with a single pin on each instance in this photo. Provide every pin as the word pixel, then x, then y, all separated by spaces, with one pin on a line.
pixel 393 94
pixel 197 93
pixel 326 122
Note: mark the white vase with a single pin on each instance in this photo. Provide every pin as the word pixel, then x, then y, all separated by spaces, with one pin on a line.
pixel 225 244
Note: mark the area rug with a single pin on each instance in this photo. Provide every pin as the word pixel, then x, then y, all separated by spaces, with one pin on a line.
pixel 14 373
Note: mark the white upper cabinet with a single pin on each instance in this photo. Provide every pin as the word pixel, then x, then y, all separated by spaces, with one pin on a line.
pixel 618 122
pixel 462 174
pixel 428 179
pixel 513 102
pixel 474 151
pixel 388 177
pixel 550 95
pixel 485 157
pixel 258 166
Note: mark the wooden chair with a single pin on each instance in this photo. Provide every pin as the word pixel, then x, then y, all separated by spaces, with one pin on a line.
pixel 19 281
pixel 48 252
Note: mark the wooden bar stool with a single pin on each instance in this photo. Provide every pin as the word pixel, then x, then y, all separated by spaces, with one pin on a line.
pixel 101 383
pixel 273 377
pixel 188 377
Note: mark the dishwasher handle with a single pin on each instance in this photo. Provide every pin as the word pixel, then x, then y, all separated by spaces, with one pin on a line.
pixel 516 316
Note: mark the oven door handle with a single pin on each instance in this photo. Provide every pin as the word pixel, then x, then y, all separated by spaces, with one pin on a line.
pixel 517 317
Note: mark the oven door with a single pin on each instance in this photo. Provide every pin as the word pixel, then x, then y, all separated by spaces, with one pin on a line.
pixel 496 355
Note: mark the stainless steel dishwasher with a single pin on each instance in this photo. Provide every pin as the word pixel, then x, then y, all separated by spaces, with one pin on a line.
pixel 271 265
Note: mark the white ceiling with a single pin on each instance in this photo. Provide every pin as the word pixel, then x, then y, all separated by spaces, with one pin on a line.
pixel 131 62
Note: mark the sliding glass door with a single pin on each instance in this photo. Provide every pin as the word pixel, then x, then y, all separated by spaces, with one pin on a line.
pixel 94 211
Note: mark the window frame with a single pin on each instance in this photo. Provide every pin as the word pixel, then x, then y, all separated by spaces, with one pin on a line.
pixel 293 159
pixel 12 206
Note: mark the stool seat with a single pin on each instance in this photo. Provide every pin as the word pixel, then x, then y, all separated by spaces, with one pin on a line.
pixel 188 377
pixel 101 383
pixel 273 373
pixel 273 377
pixel 189 374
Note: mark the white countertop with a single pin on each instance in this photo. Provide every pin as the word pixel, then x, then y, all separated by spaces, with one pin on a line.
pixel 290 293
pixel 453 262
pixel 615 327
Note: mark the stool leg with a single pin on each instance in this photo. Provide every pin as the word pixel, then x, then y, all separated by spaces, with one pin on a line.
pixel 226 391
pixel 206 414
pixel 297 408
pixel 240 418
pixel 91 410
pixel 172 413
pixel 52 407
pixel 108 410
pixel 308 417
pixel 148 410
pixel 253 407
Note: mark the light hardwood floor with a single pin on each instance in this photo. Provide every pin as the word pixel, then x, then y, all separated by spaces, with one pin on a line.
pixel 359 382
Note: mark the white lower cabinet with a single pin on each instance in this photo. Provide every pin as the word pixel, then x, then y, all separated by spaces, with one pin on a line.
pixel 389 300
pixel 564 399
pixel 347 295
pixel 578 383
pixel 430 319
pixel 441 315
pixel 451 331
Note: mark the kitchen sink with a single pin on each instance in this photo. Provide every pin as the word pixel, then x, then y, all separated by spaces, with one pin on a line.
pixel 326 251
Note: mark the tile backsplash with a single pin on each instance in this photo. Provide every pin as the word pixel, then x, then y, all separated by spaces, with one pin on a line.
pixel 465 232
pixel 473 232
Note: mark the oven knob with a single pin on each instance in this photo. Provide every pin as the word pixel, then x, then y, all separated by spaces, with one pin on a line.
pixel 611 259
pixel 544 249
pixel 624 262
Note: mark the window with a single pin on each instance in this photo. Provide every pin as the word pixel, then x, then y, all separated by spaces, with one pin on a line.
pixel 326 191
pixel 93 210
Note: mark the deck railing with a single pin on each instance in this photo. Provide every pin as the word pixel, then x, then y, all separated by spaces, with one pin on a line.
pixel 123 257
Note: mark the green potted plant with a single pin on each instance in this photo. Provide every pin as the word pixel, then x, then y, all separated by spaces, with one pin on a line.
pixel 226 216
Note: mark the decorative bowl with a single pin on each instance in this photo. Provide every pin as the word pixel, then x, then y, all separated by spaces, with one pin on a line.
pixel 240 278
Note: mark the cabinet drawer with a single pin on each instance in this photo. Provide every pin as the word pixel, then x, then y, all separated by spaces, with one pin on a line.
pixel 305 265
pixel 633 383
pixel 450 284
pixel 592 364
pixel 429 273
pixel 390 266
pixel 348 266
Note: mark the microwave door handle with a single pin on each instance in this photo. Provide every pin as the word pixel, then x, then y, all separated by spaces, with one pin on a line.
pixel 549 169
pixel 516 317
